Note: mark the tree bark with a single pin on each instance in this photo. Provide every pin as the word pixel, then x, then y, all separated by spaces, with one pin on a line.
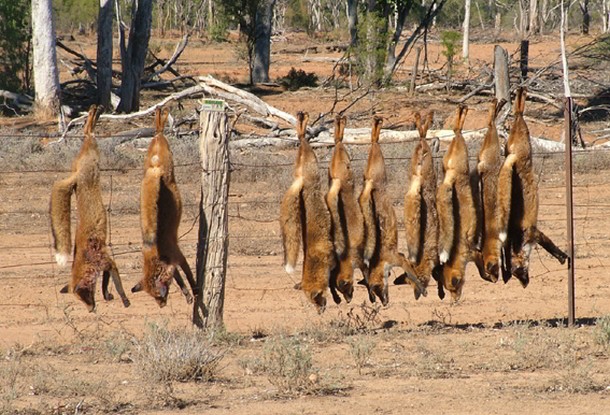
pixel 352 21
pixel 104 53
pixel 586 16
pixel 403 9
pixel 262 43
pixel 46 74
pixel 501 75
pixel 466 29
pixel 134 55
pixel 534 18
pixel 213 245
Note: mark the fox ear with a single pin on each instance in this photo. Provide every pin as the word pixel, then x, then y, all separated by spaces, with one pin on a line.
pixel 137 288
pixel 65 289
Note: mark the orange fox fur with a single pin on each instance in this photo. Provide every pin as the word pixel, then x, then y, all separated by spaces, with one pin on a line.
pixel 456 210
pixel 488 168
pixel 421 217
pixel 518 201
pixel 381 246
pixel 347 219
pixel 91 258
pixel 160 213
pixel 304 214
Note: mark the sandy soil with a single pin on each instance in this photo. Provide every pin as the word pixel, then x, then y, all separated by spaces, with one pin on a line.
pixel 501 349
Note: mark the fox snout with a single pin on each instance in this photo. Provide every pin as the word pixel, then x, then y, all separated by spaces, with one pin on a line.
pixel 347 289
pixel 492 271
pixel 87 296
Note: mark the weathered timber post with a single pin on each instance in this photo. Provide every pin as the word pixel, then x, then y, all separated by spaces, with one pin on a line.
pixel 414 71
pixel 501 79
pixel 213 243
pixel 524 59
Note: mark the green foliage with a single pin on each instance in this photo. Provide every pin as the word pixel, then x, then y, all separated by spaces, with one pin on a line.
pixel 242 14
pixel 297 17
pixel 449 41
pixel 219 29
pixel 371 50
pixel 14 35
pixel 70 14
pixel 298 78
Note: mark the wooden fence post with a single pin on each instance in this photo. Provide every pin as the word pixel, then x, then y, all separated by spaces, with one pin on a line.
pixel 213 241
pixel 501 78
pixel 414 71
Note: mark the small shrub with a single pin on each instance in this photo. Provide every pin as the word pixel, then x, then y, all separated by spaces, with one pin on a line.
pixel 449 41
pixel 602 331
pixel 288 365
pixel 165 356
pixel 361 349
pixel 298 78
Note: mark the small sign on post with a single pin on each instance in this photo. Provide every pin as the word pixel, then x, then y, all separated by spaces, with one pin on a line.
pixel 213 243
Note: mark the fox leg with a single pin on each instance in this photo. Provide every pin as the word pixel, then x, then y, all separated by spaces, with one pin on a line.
pixel 332 284
pixel 105 281
pixel 546 242
pixel 332 201
pixel 397 259
pixel 182 285
pixel 370 223
pixel 413 218
pixel 116 279
pixel 187 271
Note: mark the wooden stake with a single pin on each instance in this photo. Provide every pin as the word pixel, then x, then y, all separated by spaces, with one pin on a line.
pixel 213 241
pixel 569 209
pixel 414 71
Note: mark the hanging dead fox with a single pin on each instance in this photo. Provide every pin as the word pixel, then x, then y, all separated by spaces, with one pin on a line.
pixel 381 244
pixel 91 257
pixel 347 219
pixel 304 214
pixel 518 202
pixel 421 217
pixel 456 210
pixel 488 168
pixel 160 213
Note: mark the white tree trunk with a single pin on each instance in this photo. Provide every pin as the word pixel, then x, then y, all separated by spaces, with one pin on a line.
pixel 466 28
pixel 46 75
pixel 534 26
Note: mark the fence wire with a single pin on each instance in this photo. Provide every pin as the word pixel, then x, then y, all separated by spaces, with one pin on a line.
pixel 254 198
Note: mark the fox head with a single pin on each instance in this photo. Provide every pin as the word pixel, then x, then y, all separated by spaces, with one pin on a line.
pixel 492 269
pixel 85 288
pixel 347 289
pixel 319 300
pixel 157 278
pixel 520 263
pixel 453 281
